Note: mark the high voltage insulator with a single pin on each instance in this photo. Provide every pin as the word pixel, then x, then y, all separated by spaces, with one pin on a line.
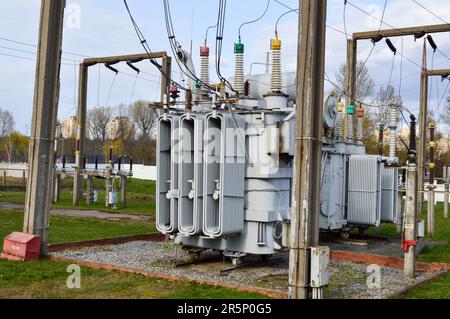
pixel 360 124
pixel 393 113
pixel 432 43
pixel 391 46
pixel 339 124
pixel 239 67
pixel 349 124
pixel 276 82
pixel 204 71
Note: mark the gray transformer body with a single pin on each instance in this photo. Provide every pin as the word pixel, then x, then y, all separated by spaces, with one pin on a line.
pixel 225 179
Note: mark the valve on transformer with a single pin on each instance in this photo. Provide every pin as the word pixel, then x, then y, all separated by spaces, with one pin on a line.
pixel 239 67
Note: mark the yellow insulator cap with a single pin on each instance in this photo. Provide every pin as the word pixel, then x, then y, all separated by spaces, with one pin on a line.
pixel 275 44
pixel 341 107
pixel 432 165
pixel 432 125
pixel 433 144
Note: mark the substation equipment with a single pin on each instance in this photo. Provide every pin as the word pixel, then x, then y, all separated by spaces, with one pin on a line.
pixel 225 164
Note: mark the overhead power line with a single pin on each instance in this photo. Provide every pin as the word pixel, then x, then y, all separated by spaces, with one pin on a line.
pixel 35 46
pixel 429 11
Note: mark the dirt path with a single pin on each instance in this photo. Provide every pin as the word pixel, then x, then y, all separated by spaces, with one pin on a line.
pixel 84 213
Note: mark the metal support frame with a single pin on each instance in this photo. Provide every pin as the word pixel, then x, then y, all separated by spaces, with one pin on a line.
pixel 418 32
pixel 82 102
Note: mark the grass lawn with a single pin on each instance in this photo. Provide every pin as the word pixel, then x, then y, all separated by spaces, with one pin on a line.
pixel 441 253
pixel 47 279
pixel 65 229
pixel 140 197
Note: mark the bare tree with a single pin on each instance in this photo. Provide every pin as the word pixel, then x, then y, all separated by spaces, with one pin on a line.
pixel 144 118
pixel 6 123
pixel 99 118
pixel 385 97
pixel 364 83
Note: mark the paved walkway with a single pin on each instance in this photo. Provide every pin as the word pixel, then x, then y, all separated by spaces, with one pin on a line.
pixel 84 213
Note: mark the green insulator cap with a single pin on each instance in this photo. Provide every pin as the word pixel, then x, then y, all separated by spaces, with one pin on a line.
pixel 198 84
pixel 239 47
pixel 351 109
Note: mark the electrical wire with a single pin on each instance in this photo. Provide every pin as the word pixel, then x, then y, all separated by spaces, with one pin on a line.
pixel 35 46
pixel 328 26
pixel 281 16
pixel 221 18
pixel 175 46
pixel 255 20
pixel 344 18
pixel 429 11
pixel 147 49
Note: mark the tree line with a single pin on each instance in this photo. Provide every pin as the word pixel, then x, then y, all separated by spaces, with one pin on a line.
pixel 135 141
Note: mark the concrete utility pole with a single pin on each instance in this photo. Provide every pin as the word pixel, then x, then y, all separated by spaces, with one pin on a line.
pixel 410 224
pixel 81 134
pixel 45 110
pixel 446 190
pixel 310 87
pixel 423 114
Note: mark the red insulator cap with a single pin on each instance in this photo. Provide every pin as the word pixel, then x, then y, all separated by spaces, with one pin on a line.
pixel 204 51
pixel 360 112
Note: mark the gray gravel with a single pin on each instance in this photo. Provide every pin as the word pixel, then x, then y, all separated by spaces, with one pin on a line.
pixel 347 280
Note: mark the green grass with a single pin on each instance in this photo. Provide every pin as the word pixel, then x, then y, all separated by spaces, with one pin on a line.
pixel 134 206
pixel 439 253
pixel 47 279
pixel 66 229
pixel 439 289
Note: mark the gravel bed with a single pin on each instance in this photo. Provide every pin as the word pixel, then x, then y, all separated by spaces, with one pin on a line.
pixel 347 280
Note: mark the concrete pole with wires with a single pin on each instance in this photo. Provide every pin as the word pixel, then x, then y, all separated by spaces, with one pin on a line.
pixel 306 202
pixel 81 134
pixel 410 224
pixel 45 111
pixel 421 150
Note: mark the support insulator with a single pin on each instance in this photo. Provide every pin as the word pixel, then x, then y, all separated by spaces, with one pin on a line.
pixel 393 124
pixel 204 69
pixel 349 124
pixel 412 140
pixel 247 88
pixel 239 67
pixel 381 140
pixel 432 164
pixel 277 80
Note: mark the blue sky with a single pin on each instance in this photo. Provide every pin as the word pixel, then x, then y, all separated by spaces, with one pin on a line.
pixel 105 29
